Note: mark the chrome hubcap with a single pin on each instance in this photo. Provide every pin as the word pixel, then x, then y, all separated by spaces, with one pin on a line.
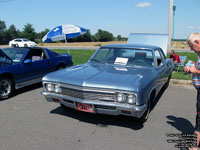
pixel 5 88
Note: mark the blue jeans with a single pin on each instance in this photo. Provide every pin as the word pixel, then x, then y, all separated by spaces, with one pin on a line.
pixel 175 65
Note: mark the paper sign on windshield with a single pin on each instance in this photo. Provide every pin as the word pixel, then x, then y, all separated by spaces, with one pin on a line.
pixel 121 61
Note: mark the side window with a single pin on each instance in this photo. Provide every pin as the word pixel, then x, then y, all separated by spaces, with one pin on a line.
pixel 158 57
pixel 162 54
pixel 36 55
pixel 18 40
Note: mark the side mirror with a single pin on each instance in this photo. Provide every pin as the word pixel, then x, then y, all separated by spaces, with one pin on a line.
pixel 27 61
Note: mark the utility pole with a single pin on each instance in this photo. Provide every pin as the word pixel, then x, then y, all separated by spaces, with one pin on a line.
pixel 170 24
pixel 174 9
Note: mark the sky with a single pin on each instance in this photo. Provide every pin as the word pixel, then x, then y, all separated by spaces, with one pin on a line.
pixel 120 17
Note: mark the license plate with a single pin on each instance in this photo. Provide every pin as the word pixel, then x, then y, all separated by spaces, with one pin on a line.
pixel 85 107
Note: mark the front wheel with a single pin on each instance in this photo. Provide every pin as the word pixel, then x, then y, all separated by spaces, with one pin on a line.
pixel 145 116
pixel 6 88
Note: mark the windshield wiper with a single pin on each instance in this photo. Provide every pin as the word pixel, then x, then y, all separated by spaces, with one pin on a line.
pixel 96 60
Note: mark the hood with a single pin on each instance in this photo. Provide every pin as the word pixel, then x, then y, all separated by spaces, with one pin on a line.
pixel 101 76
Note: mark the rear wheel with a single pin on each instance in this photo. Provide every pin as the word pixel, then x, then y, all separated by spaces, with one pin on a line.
pixel 59 67
pixel 25 45
pixel 6 88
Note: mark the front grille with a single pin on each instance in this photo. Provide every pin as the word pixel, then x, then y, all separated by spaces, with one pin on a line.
pixel 88 95
pixel 105 107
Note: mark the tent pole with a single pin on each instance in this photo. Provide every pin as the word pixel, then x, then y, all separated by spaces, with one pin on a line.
pixel 66 43
pixel 65 40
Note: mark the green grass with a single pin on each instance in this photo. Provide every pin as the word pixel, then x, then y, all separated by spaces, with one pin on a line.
pixel 180 74
pixel 78 56
pixel 82 56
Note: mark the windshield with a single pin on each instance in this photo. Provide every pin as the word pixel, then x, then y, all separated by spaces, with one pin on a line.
pixel 16 54
pixel 25 40
pixel 124 56
pixel 4 59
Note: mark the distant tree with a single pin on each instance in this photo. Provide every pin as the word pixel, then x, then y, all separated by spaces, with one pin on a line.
pixel 2 32
pixel 94 38
pixel 119 37
pixel 40 35
pixel 29 32
pixel 87 37
pixel 2 26
pixel 104 36
pixel 13 32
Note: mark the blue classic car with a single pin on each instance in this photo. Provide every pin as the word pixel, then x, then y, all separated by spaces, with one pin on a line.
pixel 20 67
pixel 119 79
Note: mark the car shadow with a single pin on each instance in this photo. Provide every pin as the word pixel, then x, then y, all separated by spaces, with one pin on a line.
pixel 154 103
pixel 105 120
pixel 27 89
pixel 99 119
pixel 24 90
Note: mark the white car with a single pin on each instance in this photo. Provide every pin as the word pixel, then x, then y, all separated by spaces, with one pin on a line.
pixel 20 42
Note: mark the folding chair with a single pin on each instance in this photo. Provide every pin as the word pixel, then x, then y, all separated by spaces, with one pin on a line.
pixel 182 63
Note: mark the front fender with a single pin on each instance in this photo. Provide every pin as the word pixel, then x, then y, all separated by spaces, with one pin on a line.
pixel 151 90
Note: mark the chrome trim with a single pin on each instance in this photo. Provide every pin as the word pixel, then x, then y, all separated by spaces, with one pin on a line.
pixel 26 83
pixel 136 111
pixel 91 89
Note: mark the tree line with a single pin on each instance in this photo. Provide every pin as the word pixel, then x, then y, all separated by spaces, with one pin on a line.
pixel 28 32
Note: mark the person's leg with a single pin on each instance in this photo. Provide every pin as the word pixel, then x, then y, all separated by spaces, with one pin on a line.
pixel 197 126
pixel 175 65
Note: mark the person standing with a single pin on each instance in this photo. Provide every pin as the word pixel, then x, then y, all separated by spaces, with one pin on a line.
pixel 194 44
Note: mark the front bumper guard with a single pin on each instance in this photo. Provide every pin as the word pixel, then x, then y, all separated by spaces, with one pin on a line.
pixel 99 107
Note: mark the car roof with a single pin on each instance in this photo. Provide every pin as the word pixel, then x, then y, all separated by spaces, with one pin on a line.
pixel 20 39
pixel 135 46
pixel 28 48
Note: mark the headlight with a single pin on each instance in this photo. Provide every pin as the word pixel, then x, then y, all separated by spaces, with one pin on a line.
pixel 131 99
pixel 53 88
pixel 121 98
pixel 57 89
pixel 50 87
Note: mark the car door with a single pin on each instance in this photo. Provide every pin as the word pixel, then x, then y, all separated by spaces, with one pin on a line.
pixel 160 69
pixel 39 62
pixel 18 42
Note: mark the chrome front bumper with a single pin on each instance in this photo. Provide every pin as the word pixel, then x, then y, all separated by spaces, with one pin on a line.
pixel 99 107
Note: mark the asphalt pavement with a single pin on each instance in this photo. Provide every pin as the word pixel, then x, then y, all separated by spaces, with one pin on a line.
pixel 29 122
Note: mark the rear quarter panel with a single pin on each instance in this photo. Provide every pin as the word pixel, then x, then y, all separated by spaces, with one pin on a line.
pixel 58 59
